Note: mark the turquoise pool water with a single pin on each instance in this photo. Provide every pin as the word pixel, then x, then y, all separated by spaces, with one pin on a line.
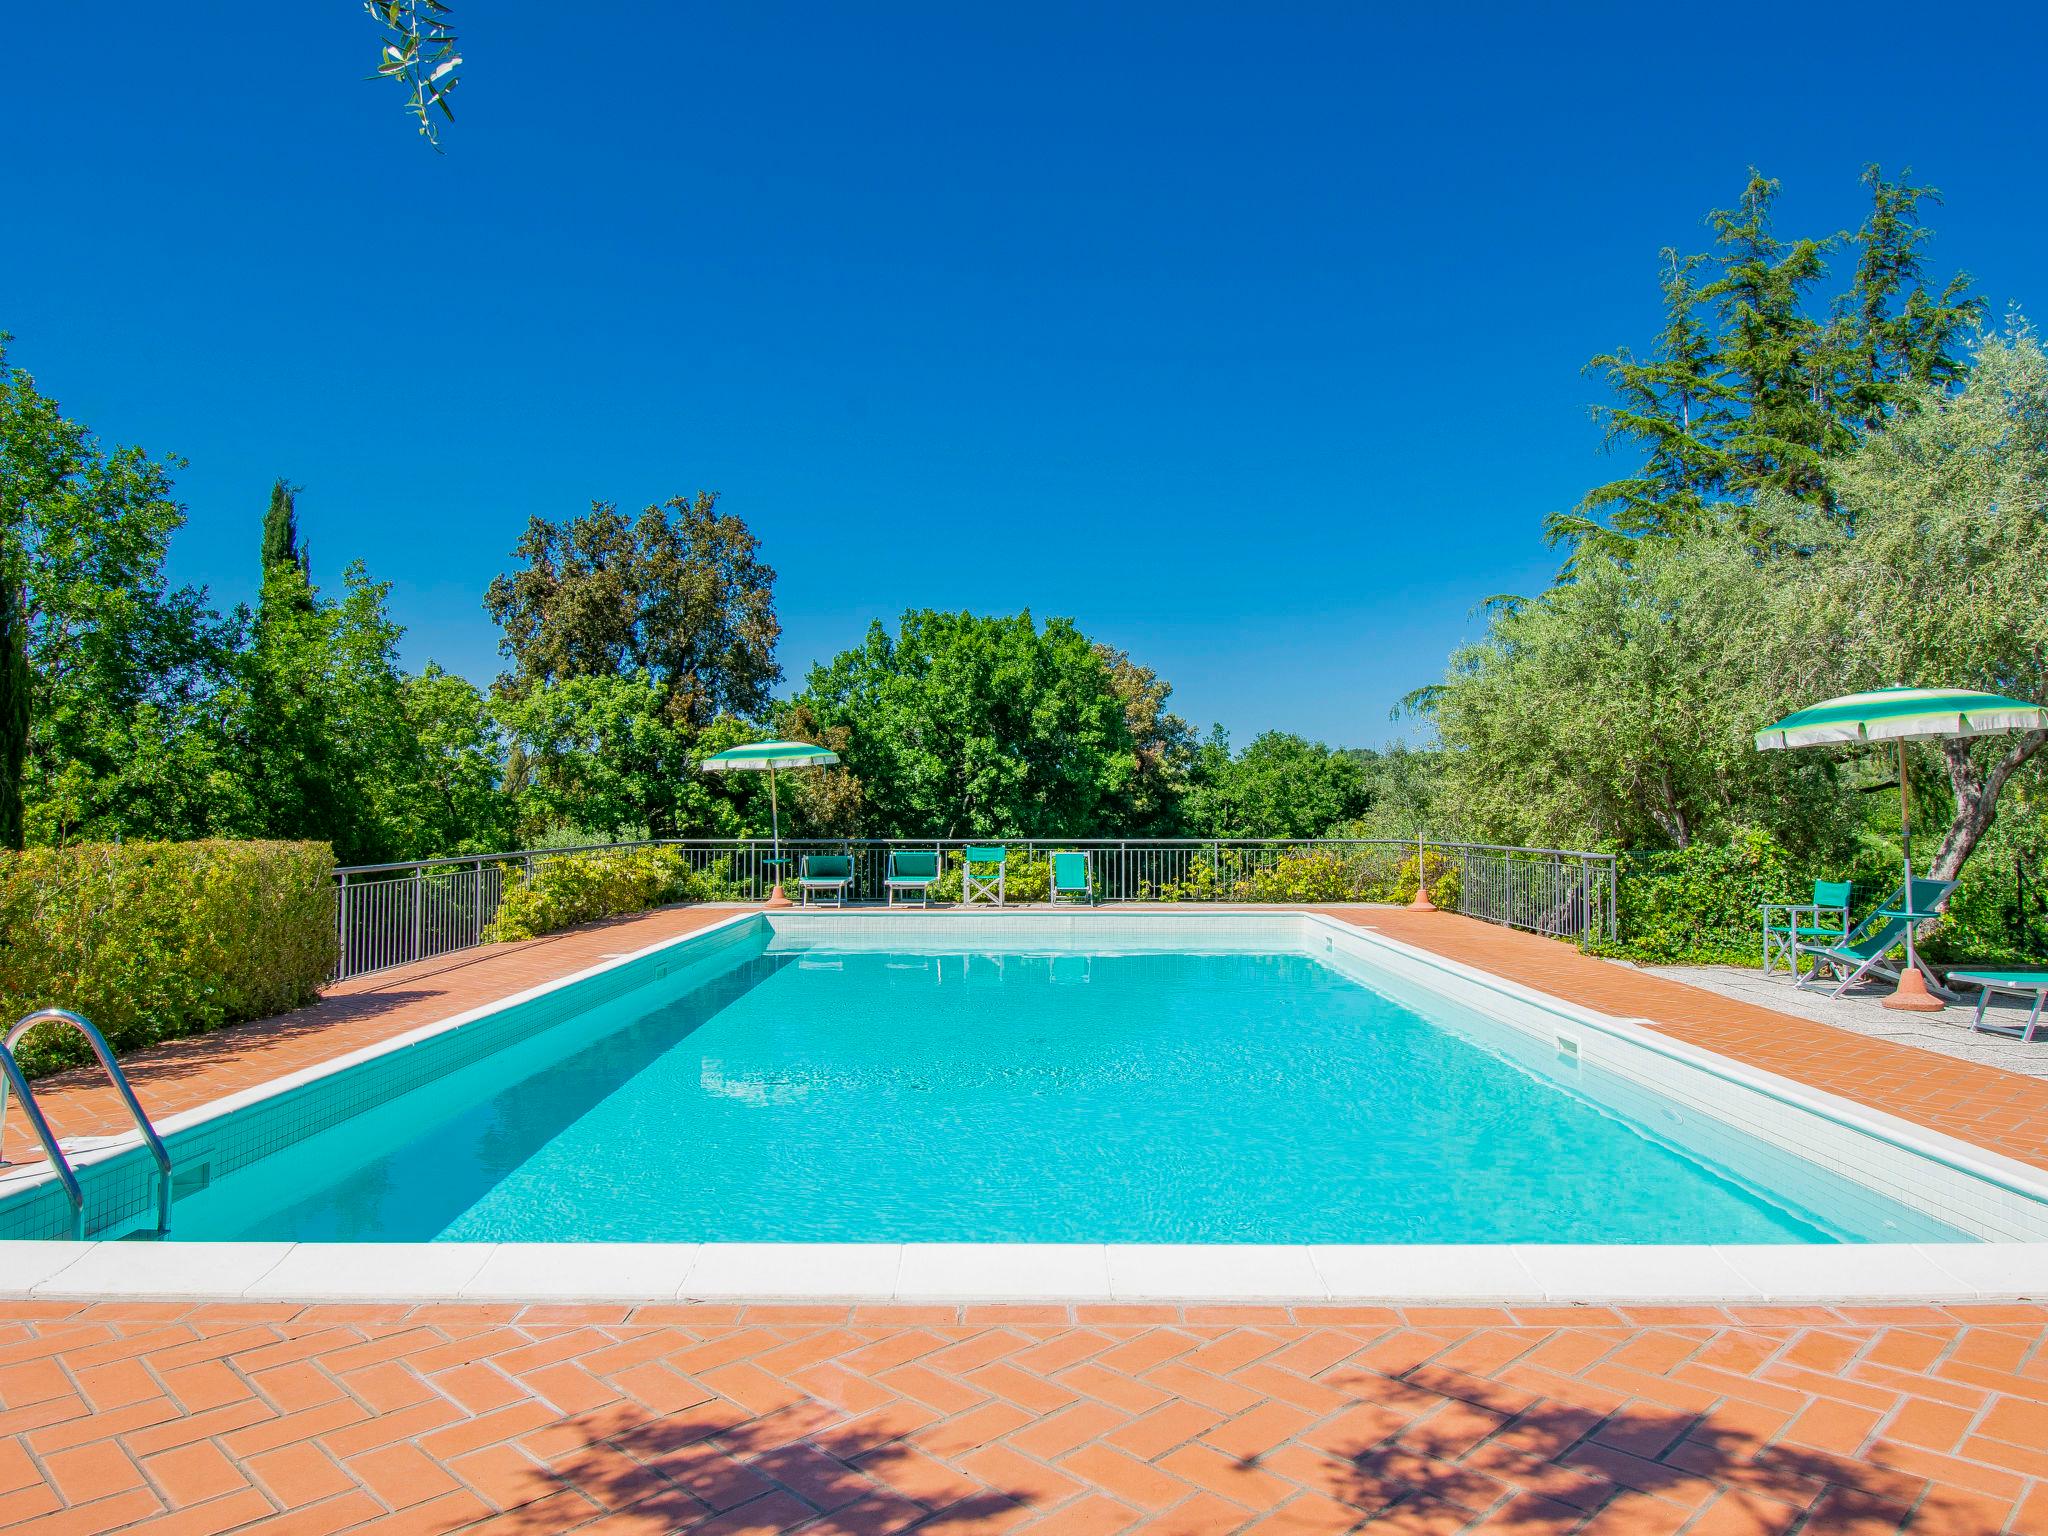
pixel 866 1096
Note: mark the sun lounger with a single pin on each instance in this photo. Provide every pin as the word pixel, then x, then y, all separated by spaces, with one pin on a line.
pixel 1071 877
pixel 2032 984
pixel 913 871
pixel 825 876
pixel 1863 953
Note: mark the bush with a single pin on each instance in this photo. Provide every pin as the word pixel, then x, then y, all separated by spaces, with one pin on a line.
pixel 1700 905
pixel 581 888
pixel 152 941
pixel 1310 875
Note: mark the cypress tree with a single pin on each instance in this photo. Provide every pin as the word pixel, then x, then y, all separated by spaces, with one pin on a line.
pixel 281 532
pixel 14 707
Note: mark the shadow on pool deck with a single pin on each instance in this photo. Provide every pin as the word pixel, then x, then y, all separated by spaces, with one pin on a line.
pixel 1429 1449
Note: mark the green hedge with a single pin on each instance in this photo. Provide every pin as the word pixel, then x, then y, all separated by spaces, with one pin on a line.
pixel 1699 905
pixel 1025 878
pixel 151 941
pixel 583 887
pixel 1318 875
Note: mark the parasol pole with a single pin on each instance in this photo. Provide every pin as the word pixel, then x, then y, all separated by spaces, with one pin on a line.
pixel 775 896
pixel 1912 995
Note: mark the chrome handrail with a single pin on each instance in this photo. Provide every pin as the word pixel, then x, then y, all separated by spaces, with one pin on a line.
pixel 12 1075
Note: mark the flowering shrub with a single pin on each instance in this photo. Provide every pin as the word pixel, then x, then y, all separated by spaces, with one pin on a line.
pixel 584 887
pixel 1025 878
pixel 1315 875
pixel 151 941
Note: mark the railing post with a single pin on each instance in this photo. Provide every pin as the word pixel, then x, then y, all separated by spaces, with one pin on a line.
pixel 341 900
pixel 419 887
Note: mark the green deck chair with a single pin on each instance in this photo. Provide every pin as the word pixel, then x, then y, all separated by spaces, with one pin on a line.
pixel 1825 920
pixel 1071 876
pixel 824 875
pixel 911 871
pixel 992 857
pixel 1862 954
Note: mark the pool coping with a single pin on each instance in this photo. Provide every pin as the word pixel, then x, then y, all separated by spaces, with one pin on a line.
pixel 1033 1272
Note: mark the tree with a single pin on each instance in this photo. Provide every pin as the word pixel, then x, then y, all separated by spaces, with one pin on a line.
pixel 1619 709
pixel 1282 785
pixel 965 725
pixel 446 794
pixel 603 757
pixel 680 593
pixel 1895 337
pixel 1938 576
pixel 1771 348
pixel 118 663
pixel 1164 743
pixel 281 533
pixel 1748 388
pixel 322 716
pixel 14 705
pixel 1677 407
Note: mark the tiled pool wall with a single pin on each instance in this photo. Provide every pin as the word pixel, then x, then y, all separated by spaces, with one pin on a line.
pixel 208 1144
pixel 1722 1108
pixel 1716 1108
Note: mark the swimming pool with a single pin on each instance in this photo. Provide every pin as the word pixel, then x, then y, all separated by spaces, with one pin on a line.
pixel 1041 1079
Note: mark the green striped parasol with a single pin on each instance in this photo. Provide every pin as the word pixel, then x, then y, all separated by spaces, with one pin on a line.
pixel 769 757
pixel 1902 715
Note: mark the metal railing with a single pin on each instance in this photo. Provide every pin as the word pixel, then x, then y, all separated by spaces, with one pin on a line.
pixel 1557 891
pixel 392 914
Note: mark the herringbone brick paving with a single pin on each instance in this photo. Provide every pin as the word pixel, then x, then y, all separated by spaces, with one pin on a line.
pixel 1746 1422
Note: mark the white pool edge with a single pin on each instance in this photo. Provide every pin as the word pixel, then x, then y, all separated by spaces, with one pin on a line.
pixel 1512 1274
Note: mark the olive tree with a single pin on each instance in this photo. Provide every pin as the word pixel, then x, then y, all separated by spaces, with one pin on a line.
pixel 1939 576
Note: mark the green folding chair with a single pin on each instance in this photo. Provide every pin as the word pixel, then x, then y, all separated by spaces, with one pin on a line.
pixel 1825 920
pixel 988 883
pixel 824 875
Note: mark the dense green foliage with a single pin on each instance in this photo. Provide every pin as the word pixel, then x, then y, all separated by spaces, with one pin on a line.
pixel 1324 874
pixel 960 725
pixel 566 891
pixel 1828 501
pixel 151 941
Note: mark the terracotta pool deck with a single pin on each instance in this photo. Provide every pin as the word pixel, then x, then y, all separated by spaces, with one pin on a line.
pixel 175 1417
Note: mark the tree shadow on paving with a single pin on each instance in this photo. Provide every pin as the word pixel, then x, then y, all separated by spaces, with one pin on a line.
pixel 1559 1466
pixel 799 1467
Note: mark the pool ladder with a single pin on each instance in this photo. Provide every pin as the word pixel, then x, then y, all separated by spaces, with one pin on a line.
pixel 11 1076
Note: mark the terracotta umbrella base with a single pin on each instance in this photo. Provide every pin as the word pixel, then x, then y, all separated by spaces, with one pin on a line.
pixel 777 899
pixel 1912 995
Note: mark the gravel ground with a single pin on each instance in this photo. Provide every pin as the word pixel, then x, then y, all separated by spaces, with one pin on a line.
pixel 1862 1013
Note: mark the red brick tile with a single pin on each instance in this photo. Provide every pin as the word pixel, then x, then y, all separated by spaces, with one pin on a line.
pixel 194 1473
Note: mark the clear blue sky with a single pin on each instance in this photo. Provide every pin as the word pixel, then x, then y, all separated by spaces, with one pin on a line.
pixel 1248 336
